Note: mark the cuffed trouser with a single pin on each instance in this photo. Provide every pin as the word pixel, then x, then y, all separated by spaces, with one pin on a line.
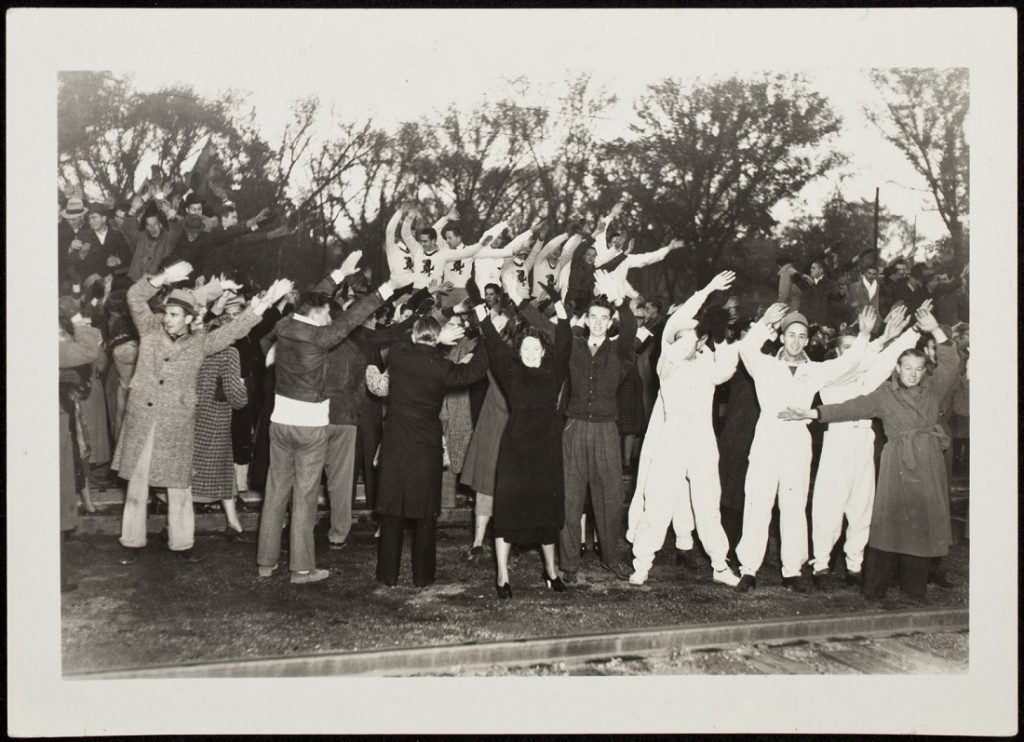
pixel 424 550
pixel 339 462
pixel 780 465
pixel 879 567
pixel 669 494
pixel 181 520
pixel 296 463
pixel 845 486
pixel 591 455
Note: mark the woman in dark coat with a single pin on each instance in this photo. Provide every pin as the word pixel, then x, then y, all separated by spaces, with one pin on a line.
pixel 910 519
pixel 529 503
pixel 411 452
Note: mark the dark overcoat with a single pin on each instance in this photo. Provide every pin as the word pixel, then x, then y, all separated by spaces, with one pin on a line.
pixel 911 510
pixel 529 496
pixel 411 453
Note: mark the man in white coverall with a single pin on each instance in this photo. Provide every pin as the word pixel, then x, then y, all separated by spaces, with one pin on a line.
pixel 780 457
pixel 679 460
pixel 845 484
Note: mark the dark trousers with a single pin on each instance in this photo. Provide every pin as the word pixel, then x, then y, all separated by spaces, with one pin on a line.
pixel 591 455
pixel 424 550
pixel 881 566
pixel 369 432
pixel 732 524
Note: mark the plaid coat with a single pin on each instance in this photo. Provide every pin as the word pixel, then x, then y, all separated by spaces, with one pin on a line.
pixel 162 392
pixel 213 466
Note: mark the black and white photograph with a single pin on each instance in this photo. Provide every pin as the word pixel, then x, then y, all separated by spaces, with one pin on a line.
pixel 511 371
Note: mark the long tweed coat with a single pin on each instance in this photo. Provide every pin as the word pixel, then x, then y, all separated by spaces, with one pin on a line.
pixel 163 390
pixel 213 466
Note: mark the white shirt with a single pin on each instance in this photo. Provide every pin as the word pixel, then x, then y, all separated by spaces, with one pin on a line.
pixel 871 287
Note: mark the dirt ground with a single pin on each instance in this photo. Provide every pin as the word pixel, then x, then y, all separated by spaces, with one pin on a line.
pixel 163 611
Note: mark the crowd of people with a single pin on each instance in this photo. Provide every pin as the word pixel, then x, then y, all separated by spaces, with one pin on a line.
pixel 528 366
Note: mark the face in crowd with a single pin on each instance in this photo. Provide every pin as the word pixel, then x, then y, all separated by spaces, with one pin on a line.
pixel 427 240
pixel 870 273
pixel 911 369
pixel 97 222
pixel 817 270
pixel 531 352
pixel 590 256
pixel 176 320
pixel 153 226
pixel 599 319
pixel 491 297
pixel 229 219
pixel 794 340
pixel 452 238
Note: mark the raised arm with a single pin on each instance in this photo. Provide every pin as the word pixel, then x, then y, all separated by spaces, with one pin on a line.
pixel 534 255
pixel 231 380
pixel 568 251
pixel 391 249
pixel 463 374
pixel 84 347
pixel 727 357
pixel 407 236
pixel 552 245
pixel 691 306
pixel 749 347
pixel 146 288
pixel 501 358
pixel 882 363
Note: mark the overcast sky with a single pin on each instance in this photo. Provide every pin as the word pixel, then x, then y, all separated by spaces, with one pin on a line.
pixel 398 65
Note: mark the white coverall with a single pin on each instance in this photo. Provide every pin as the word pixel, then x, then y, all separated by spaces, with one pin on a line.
pixel 845 483
pixel 780 454
pixel 678 480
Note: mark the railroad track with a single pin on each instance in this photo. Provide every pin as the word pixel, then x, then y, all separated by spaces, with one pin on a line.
pixel 862 643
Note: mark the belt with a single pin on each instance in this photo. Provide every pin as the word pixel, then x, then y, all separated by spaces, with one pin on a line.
pixel 905 439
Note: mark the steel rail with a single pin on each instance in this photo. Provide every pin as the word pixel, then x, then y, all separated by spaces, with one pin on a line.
pixel 547 650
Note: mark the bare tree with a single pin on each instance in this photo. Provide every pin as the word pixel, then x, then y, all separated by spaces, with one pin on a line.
pixel 922 114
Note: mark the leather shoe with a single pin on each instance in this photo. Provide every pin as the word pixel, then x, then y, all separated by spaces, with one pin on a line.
pixel 746 584
pixel 475 554
pixel 854 579
pixel 187 555
pixel 129 555
pixel 504 591
pixel 569 578
pixel 618 569
pixel 337 546
pixel 797 584
pixel 940 579
pixel 822 580
pixel 238 537
pixel 683 559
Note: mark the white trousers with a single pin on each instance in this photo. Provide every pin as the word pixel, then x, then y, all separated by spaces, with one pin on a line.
pixel 780 465
pixel 844 486
pixel 685 499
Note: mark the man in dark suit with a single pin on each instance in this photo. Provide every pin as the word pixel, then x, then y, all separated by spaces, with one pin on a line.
pixel 867 290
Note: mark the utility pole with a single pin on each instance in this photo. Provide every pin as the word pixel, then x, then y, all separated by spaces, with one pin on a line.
pixel 876 221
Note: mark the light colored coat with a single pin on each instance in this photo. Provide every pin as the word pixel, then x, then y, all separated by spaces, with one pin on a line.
pixel 162 392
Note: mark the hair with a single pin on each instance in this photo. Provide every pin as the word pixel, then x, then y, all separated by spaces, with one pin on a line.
pixel 451 228
pixel 312 300
pixel 601 302
pixel 658 305
pixel 496 287
pixel 426 330
pixel 612 234
pixel 532 332
pixel 160 217
pixel 918 273
pixel 714 323
pixel 429 232
pixel 124 206
pixel 911 353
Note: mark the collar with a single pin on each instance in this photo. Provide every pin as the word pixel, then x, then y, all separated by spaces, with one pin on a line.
pixel 801 359
pixel 303 318
pixel 868 284
pixel 595 341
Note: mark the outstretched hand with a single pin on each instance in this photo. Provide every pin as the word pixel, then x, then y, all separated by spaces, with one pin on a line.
pixel 722 281
pixel 896 322
pixel 796 413
pixel 605 284
pixel 867 319
pixel 450 334
pixel 177 272
pixel 349 266
pixel 774 314
pixel 925 319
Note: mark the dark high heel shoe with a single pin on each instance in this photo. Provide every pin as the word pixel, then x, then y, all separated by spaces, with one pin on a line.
pixel 553 583
pixel 504 591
